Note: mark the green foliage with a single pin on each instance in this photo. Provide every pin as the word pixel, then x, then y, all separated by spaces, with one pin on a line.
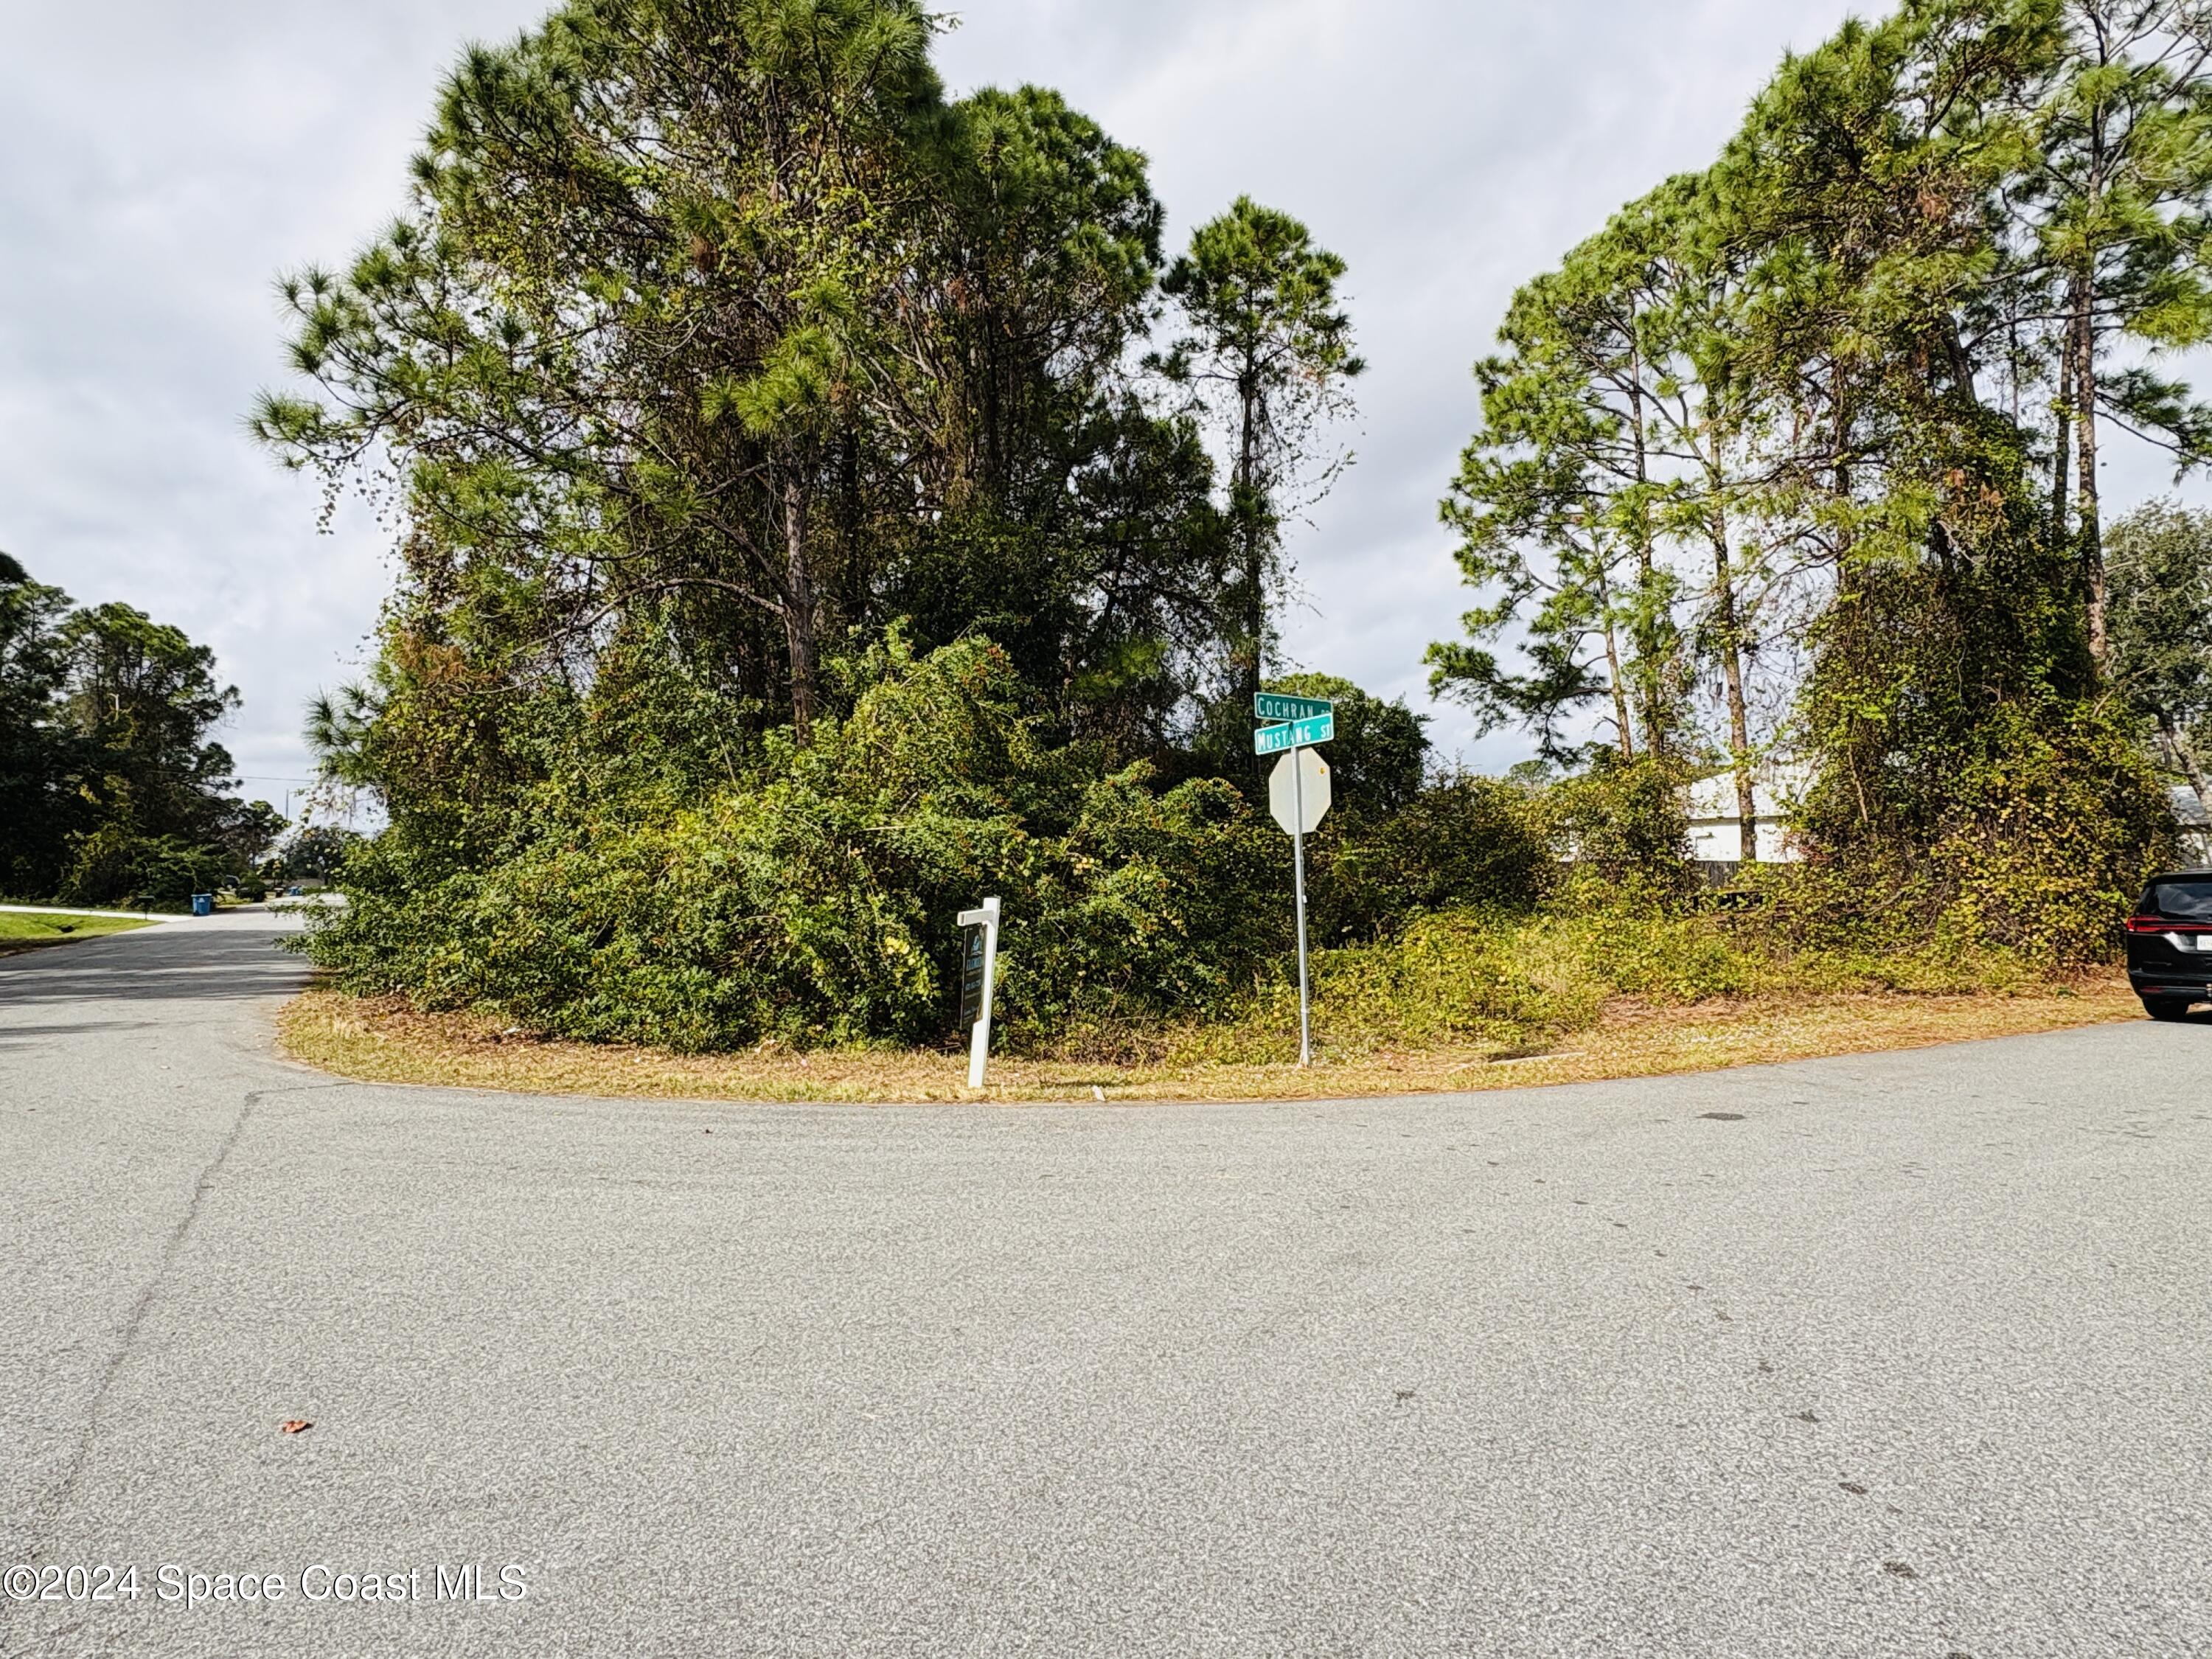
pixel 2056 820
pixel 318 852
pixel 110 788
pixel 1521 981
pixel 1463 840
pixel 716 324
pixel 1560 501
pixel 1817 426
pixel 113 865
pixel 1969 786
pixel 1267 343
pixel 1380 753
pixel 794 550
pixel 36 755
pixel 2161 564
pixel 1625 830
pixel 812 901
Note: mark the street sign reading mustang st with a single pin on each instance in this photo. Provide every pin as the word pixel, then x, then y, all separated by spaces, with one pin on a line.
pixel 1273 739
pixel 1296 723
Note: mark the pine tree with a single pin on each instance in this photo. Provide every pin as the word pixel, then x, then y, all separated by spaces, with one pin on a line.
pixel 1265 336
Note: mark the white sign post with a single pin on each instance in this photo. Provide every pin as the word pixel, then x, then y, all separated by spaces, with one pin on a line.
pixel 979 971
pixel 1297 796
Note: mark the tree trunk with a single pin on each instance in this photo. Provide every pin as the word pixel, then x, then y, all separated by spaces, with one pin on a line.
pixel 1245 506
pixel 2062 411
pixel 1840 483
pixel 1731 646
pixel 2089 530
pixel 799 609
pixel 1613 666
pixel 2183 757
pixel 1244 488
pixel 1650 666
pixel 1746 800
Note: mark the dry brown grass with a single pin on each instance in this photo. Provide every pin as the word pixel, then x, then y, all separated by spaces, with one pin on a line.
pixel 387 1041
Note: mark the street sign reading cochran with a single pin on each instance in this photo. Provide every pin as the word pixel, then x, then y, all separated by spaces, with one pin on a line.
pixel 1274 706
pixel 1286 795
pixel 1273 739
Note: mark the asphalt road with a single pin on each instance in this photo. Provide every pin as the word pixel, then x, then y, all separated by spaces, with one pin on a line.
pixel 1892 1355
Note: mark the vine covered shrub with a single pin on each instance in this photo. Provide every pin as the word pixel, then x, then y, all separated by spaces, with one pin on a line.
pixel 1464 839
pixel 1625 829
pixel 812 901
pixel 2032 838
pixel 2056 821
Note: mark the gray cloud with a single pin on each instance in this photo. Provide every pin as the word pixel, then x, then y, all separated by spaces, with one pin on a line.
pixel 166 162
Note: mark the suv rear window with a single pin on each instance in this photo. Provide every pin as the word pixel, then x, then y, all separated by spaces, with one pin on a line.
pixel 2181 901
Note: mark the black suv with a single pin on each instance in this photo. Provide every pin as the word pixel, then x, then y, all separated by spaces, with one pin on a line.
pixel 2169 943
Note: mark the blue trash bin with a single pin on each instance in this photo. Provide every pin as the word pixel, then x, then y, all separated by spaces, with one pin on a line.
pixel 204 904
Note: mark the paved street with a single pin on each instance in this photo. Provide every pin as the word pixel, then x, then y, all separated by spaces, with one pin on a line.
pixel 1907 1354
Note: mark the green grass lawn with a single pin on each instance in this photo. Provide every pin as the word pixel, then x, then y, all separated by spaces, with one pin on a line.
pixel 21 931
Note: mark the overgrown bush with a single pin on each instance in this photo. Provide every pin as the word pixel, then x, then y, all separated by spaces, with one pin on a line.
pixel 1465 840
pixel 1510 982
pixel 813 901
pixel 1625 829
pixel 2033 840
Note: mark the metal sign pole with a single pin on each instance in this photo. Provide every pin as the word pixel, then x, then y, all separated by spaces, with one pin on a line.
pixel 1294 724
pixel 1299 869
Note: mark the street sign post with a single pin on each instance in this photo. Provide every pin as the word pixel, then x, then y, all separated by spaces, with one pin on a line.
pixel 979 969
pixel 1304 720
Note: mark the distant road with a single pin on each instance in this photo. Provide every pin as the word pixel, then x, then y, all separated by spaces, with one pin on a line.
pixel 1903 1354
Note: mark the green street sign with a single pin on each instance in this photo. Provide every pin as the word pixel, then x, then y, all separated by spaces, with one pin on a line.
pixel 1274 706
pixel 1273 739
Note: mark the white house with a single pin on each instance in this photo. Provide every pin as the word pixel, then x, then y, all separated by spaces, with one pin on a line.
pixel 1717 830
pixel 1716 834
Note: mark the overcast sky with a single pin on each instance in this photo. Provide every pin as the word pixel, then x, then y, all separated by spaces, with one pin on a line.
pixel 164 161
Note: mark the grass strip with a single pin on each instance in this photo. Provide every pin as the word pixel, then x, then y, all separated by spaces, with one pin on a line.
pixel 387 1039
pixel 22 930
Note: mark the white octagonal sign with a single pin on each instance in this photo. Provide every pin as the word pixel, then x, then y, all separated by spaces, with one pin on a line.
pixel 1312 790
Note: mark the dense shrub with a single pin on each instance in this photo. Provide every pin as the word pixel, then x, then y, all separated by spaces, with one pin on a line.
pixel 813 901
pixel 2034 840
pixel 1625 828
pixel 1514 981
pixel 1466 840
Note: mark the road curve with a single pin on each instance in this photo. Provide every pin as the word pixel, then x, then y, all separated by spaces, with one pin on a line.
pixel 1898 1354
